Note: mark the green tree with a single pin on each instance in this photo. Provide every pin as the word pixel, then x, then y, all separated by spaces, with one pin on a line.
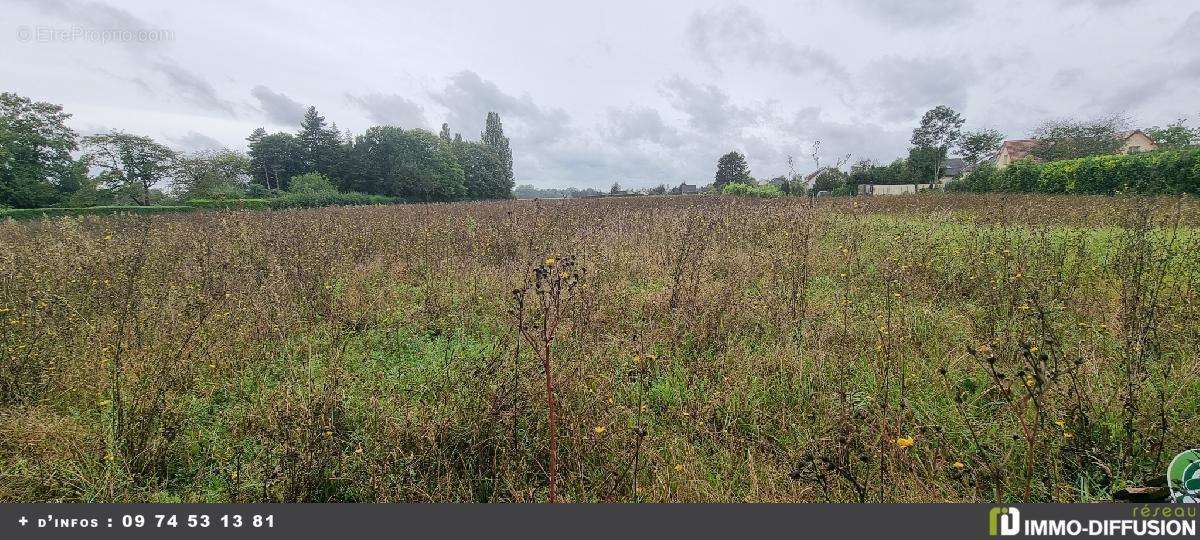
pixel 493 137
pixel 320 145
pixel 131 165
pixel 445 133
pixel 208 174
pixel 416 165
pixel 1175 135
pixel 36 167
pixel 274 158
pixel 732 169
pixel 1070 139
pixel 940 130
pixel 976 145
pixel 483 171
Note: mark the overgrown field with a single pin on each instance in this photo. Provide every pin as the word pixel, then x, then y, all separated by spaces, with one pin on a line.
pixel 923 348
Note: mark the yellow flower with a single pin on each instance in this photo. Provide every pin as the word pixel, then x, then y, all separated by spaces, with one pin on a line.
pixel 679 467
pixel 358 450
pixel 905 442
pixel 328 433
pixel 600 430
pixel 959 465
pixel 1033 348
pixel 104 402
pixel 549 261
pixel 1068 435
pixel 1060 423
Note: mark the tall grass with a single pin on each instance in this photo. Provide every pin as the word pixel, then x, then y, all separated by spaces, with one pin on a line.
pixel 961 348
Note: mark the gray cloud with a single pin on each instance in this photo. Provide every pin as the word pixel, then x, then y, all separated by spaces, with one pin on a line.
pixel 468 98
pixel 709 109
pixel 279 108
pixel 862 140
pixel 641 124
pixel 915 14
pixel 192 87
pixel 194 141
pixel 391 109
pixel 906 87
pixel 1066 78
pixel 1147 87
pixel 1187 37
pixel 738 33
pixel 98 16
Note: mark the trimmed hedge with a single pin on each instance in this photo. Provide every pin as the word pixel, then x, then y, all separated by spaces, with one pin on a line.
pixel 231 204
pixel 35 213
pixel 1164 172
pixel 317 200
pixel 746 190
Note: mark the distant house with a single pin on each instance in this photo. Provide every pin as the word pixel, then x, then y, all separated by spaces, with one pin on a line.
pixel 868 190
pixel 1014 150
pixel 812 176
pixel 688 189
pixel 1131 142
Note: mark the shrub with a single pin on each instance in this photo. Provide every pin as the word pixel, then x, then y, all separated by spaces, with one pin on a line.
pixel 311 183
pixel 746 190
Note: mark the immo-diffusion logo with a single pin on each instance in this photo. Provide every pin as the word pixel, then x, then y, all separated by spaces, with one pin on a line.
pixel 1183 477
pixel 1004 521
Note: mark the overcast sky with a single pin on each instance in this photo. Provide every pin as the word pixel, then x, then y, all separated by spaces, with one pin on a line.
pixel 638 92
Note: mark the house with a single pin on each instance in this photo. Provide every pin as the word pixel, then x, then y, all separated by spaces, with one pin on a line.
pixel 891 189
pixel 1014 150
pixel 1135 141
pixel 1131 142
pixel 812 176
pixel 688 189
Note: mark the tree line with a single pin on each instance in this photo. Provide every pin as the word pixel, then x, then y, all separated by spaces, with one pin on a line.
pixel 45 163
pixel 940 134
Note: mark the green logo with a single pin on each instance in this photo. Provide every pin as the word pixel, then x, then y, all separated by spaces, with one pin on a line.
pixel 1004 521
pixel 1183 477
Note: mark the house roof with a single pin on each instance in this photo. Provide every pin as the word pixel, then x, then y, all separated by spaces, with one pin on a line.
pixel 953 166
pixel 1018 148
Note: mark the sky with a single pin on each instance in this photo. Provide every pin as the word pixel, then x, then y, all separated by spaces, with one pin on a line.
pixel 637 92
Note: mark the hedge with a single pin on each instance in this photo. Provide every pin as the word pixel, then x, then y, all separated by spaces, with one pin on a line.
pixel 1152 173
pixel 746 190
pixel 35 213
pixel 316 200
pixel 231 204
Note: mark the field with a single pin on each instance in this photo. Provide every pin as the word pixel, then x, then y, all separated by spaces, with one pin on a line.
pixel 905 349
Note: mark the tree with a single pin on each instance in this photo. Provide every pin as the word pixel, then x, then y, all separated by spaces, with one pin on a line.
pixel 1070 139
pixel 320 146
pixel 483 171
pixel 445 133
pixel 940 129
pixel 1175 135
pixel 493 137
pixel 615 189
pixel 732 169
pixel 415 164
pixel 224 173
pixel 274 158
pixel 976 145
pixel 36 167
pixel 130 164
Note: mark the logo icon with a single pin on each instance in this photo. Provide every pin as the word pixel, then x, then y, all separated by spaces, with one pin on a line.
pixel 1183 477
pixel 1004 521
